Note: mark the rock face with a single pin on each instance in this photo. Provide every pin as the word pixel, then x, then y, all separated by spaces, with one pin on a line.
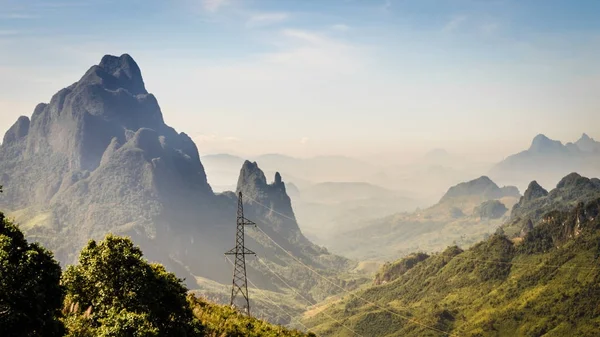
pixel 571 190
pixel 483 187
pixel 99 158
pixel 269 202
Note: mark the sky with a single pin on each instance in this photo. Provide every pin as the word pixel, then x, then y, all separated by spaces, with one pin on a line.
pixel 361 78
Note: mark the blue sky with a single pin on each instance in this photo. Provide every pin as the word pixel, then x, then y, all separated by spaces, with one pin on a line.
pixel 396 77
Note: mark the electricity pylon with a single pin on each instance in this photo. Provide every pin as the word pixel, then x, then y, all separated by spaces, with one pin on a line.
pixel 240 281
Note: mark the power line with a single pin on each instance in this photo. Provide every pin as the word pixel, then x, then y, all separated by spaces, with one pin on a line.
pixel 306 299
pixel 338 286
pixel 273 302
pixel 458 256
pixel 352 294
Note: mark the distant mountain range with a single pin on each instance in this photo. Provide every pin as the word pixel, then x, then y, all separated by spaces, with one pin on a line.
pixel 221 168
pixel 464 215
pixel 547 160
pixel 99 158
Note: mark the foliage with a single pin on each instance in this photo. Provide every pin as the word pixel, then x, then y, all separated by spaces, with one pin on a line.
pixel 30 294
pixel 548 284
pixel 491 209
pixel 128 294
pixel 222 320
pixel 391 271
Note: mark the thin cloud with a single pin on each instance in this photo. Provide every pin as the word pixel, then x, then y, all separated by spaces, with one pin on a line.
pixel 213 5
pixel 9 32
pixel 265 19
pixel 304 140
pixel 313 50
pixel 490 28
pixel 340 27
pixel 454 23
pixel 307 36
pixel 18 16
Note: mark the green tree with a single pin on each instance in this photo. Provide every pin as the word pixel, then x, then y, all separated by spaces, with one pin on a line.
pixel 30 293
pixel 128 296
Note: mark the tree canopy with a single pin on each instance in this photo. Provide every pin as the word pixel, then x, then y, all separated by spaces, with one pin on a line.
pixel 30 293
pixel 127 295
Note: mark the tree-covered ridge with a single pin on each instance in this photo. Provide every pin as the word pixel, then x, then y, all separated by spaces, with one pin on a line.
pixel 113 291
pixel 548 284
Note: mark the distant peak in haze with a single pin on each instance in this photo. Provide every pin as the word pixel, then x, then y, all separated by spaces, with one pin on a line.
pixel 437 155
pixel 587 144
pixel 541 143
pixel 482 187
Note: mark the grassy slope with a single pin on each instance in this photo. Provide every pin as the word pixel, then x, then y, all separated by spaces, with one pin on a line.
pixel 545 287
pixel 222 321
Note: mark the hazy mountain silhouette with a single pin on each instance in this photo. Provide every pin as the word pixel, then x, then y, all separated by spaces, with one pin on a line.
pixel 463 215
pixel 547 160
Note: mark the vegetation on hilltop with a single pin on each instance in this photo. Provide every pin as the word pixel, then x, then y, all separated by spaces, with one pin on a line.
pixel 548 284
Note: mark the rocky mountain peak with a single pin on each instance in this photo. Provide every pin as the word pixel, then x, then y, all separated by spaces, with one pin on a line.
pixel 89 120
pixel 534 191
pixel 254 187
pixel 576 181
pixel 124 71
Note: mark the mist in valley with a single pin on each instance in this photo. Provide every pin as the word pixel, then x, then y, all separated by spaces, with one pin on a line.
pixel 290 168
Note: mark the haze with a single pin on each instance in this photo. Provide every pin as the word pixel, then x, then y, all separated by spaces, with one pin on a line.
pixel 368 79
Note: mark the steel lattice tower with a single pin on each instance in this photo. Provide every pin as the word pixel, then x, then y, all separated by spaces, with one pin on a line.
pixel 240 281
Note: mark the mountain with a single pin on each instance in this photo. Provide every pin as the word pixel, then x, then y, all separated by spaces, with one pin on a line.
pixel 99 158
pixel 556 159
pixel 463 215
pixel 323 208
pixel 587 144
pixel 482 187
pixel 546 284
pixel 570 190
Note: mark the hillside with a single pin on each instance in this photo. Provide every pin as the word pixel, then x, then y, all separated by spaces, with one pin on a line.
pixel 99 158
pixel 545 285
pixel 456 218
